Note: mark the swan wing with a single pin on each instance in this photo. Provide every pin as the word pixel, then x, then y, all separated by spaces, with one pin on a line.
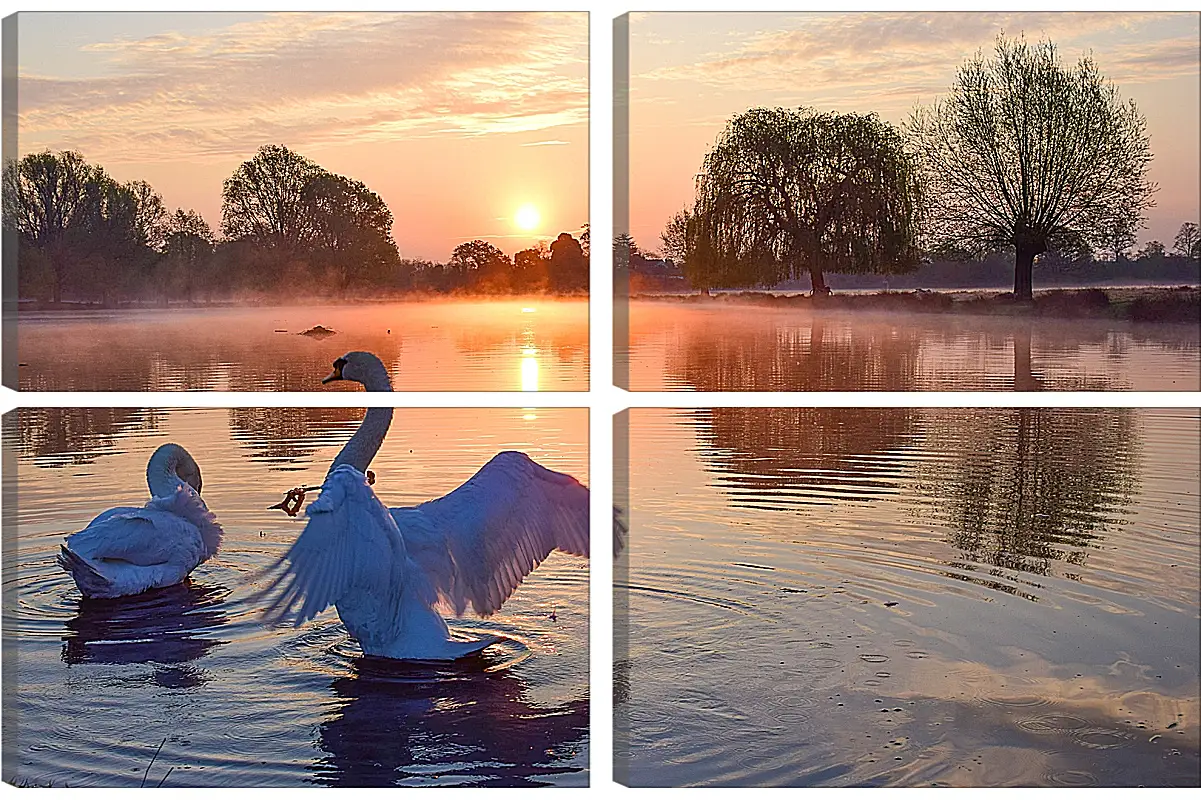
pixel 143 537
pixel 349 552
pixel 186 504
pixel 478 543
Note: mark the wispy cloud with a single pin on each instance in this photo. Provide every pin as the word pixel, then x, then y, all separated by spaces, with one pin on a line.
pixel 882 54
pixel 546 143
pixel 313 80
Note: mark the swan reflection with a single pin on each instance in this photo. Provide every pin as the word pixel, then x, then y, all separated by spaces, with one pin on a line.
pixel 415 724
pixel 171 626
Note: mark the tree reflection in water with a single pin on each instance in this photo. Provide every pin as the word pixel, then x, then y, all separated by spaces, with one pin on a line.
pixel 1016 490
pixel 286 438
pixel 772 350
pixel 777 458
pixel 812 356
pixel 411 724
pixel 58 437
pixel 1028 488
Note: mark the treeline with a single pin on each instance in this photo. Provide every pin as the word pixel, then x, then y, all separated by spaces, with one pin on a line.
pixel 289 228
pixel 479 267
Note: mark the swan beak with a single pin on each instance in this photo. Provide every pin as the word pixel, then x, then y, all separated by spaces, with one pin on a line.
pixel 336 375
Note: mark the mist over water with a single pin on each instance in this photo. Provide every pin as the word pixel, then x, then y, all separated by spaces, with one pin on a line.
pixel 515 344
pixel 965 597
pixel 764 349
pixel 98 685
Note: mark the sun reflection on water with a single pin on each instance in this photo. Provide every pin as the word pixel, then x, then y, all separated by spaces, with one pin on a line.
pixel 529 371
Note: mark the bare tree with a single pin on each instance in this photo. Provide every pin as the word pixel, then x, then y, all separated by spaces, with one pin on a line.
pixel 1116 238
pixel 787 192
pixel 1188 241
pixel 1027 154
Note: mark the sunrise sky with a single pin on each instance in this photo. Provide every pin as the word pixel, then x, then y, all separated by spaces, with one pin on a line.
pixel 461 122
pixel 690 72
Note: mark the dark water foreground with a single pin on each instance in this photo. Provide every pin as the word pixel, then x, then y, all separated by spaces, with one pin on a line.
pixel 92 689
pixel 910 597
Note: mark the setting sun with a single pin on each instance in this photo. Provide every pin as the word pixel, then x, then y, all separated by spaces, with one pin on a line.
pixel 527 217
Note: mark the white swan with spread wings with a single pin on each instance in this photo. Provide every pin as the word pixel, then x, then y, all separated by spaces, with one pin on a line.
pixel 386 570
pixel 129 550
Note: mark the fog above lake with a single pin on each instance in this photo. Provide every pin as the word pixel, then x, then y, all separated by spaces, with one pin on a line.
pixel 515 344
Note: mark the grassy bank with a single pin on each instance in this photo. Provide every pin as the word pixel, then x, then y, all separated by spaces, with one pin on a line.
pixel 1144 304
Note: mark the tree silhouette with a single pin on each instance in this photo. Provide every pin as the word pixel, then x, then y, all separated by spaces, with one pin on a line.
pixel 1116 238
pixel 1152 251
pixel 149 215
pixel 111 247
pixel 352 229
pixel 482 264
pixel 1188 241
pixel 529 270
pixel 263 200
pixel 568 266
pixel 314 223
pixel 1026 154
pixel 788 192
pixel 188 246
pixel 290 228
pixel 45 196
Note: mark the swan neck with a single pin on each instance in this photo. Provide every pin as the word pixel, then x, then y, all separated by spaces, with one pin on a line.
pixel 162 471
pixel 366 441
pixel 377 380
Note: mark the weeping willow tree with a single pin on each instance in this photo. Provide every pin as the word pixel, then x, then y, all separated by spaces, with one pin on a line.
pixel 785 193
pixel 1027 155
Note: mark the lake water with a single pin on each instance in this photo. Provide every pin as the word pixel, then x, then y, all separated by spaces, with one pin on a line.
pixel 528 344
pixel 91 689
pixel 923 597
pixel 673 346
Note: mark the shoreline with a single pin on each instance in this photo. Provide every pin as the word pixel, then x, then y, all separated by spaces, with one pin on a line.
pixel 264 302
pixel 1124 304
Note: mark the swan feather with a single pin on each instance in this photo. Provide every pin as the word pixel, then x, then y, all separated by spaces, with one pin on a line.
pixel 350 548
pixel 477 544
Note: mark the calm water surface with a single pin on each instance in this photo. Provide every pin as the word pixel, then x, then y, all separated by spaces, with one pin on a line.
pixel 674 346
pixel 910 597
pixel 518 344
pixel 98 685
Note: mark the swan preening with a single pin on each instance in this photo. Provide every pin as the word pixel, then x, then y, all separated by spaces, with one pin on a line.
pixel 387 570
pixel 129 550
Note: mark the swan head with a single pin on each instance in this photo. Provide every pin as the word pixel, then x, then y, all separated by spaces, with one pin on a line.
pixel 189 472
pixel 361 367
pixel 172 460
